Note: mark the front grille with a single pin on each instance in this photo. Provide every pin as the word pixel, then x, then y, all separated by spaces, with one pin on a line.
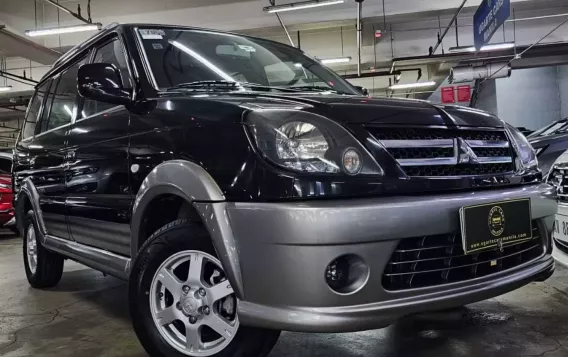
pixel 457 170
pixel 558 177
pixel 440 259
pixel 439 152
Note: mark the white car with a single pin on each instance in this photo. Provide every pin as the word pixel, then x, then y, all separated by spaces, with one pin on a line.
pixel 558 176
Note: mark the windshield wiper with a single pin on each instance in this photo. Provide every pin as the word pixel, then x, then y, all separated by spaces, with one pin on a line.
pixel 313 88
pixel 224 84
pixel 205 84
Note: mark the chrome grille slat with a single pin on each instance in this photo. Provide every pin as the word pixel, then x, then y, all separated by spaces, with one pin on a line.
pixel 452 161
pixel 428 162
pixel 433 143
pixel 443 143
pixel 495 160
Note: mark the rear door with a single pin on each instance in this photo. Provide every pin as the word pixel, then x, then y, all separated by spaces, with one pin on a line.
pixel 97 178
pixel 25 154
pixel 49 148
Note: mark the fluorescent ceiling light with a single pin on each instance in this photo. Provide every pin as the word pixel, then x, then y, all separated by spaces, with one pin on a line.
pixel 67 110
pixel 301 5
pixel 63 29
pixel 5 88
pixel 203 60
pixel 492 47
pixel 335 60
pixel 412 85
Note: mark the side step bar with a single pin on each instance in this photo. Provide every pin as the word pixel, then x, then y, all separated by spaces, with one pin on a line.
pixel 110 263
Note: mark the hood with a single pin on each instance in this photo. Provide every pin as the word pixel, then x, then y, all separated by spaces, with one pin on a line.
pixel 358 109
pixel 541 141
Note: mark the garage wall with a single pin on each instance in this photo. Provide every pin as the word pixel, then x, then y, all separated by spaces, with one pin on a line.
pixel 529 98
pixel 487 99
pixel 563 86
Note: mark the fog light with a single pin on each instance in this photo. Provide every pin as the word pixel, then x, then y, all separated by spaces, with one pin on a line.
pixel 352 163
pixel 347 274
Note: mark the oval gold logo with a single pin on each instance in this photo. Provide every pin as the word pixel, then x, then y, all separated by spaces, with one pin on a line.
pixel 496 221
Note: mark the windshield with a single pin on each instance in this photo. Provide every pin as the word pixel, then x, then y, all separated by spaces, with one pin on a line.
pixel 180 56
pixel 559 126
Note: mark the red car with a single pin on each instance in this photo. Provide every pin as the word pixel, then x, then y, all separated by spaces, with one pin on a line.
pixel 7 218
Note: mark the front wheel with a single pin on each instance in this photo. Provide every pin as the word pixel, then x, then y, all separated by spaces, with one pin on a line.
pixel 182 303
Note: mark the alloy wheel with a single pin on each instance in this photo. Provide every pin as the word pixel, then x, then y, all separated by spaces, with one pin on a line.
pixel 31 249
pixel 193 304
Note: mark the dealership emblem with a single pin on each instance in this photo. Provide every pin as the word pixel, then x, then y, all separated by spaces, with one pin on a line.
pixel 496 221
pixel 466 155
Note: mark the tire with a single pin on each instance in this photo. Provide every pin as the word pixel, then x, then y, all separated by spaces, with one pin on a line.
pixel 174 240
pixel 48 265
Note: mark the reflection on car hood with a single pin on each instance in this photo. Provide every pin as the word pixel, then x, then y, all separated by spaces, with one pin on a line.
pixel 362 110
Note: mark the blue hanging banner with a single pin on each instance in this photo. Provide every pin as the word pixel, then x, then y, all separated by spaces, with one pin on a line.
pixel 490 15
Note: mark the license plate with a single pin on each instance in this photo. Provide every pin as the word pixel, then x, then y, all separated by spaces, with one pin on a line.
pixel 494 225
pixel 561 228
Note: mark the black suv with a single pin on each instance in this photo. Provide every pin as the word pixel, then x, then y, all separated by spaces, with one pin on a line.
pixel 242 188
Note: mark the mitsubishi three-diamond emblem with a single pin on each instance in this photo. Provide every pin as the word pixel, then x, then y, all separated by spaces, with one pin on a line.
pixel 465 153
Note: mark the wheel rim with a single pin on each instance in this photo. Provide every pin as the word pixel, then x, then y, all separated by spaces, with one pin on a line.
pixel 31 249
pixel 193 305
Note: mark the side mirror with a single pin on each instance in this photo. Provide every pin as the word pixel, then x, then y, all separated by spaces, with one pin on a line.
pixel 362 90
pixel 102 82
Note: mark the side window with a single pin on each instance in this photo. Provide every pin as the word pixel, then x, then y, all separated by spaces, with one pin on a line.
pixel 33 111
pixel 64 105
pixel 112 53
pixel 62 100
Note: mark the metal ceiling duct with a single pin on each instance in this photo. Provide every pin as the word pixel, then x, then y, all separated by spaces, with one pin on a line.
pixel 13 45
pixel 471 73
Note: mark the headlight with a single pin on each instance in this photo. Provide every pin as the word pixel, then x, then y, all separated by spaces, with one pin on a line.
pixel 526 155
pixel 309 143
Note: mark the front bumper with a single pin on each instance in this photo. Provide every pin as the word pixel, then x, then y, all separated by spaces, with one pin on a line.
pixel 560 252
pixel 277 254
pixel 7 218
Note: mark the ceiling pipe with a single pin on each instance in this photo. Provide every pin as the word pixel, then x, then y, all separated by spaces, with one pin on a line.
pixel 371 74
pixel 359 34
pixel 14 76
pixel 441 37
pixel 273 3
pixel 64 9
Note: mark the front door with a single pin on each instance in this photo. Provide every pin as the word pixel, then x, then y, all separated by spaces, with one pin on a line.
pixel 99 197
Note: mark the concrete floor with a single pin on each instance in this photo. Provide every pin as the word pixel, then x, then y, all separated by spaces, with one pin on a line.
pixel 86 315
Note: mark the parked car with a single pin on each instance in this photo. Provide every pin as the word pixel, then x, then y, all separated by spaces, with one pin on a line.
pixel 550 142
pixel 242 188
pixel 558 177
pixel 525 131
pixel 7 217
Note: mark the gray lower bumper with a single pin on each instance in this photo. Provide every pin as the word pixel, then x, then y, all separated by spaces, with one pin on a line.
pixel 277 254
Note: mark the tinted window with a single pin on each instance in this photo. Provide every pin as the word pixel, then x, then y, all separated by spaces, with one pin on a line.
pixel 109 53
pixel 5 165
pixel 62 100
pixel 33 111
